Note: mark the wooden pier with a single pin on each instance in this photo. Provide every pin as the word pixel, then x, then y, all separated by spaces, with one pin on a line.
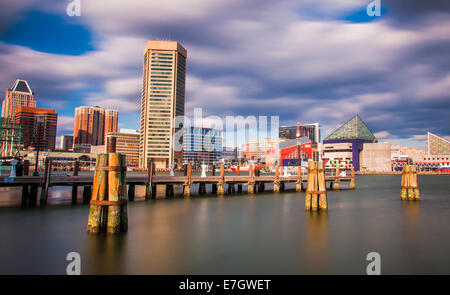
pixel 220 184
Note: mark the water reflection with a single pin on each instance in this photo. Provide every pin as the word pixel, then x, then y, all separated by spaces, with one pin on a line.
pixel 317 241
pixel 106 254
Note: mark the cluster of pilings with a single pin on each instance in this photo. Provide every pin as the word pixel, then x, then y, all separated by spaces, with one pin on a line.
pixel 108 211
pixel 316 193
pixel 409 185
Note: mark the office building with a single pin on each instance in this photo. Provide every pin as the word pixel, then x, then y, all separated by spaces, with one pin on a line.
pixel 438 145
pixel 91 125
pixel 163 94
pixel 202 146
pixel 127 143
pixel 312 131
pixel 20 94
pixel 10 137
pixel 66 143
pixel 262 151
pixel 38 127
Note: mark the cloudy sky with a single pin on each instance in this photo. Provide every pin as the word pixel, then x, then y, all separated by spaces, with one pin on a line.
pixel 303 60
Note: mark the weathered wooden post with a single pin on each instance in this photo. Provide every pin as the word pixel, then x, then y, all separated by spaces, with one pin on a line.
pixel 352 181
pixel 314 200
pixel 116 183
pixel 298 186
pixel 149 191
pixel 251 180
pixel 221 187
pixel 33 194
pixel 45 185
pixel 131 191
pixel 276 183
pixel 404 183
pixel 238 172
pixel 25 187
pixel 26 167
pixel 187 182
pixel 309 187
pixel 108 210
pixel 76 166
pixel 261 185
pixel 337 180
pixel 323 205
pixel 415 185
pixel 99 193
pixel 214 185
pixel 87 191
pixel 410 176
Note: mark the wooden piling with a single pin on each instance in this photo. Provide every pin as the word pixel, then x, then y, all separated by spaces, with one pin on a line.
pixel 87 191
pixel 25 195
pixel 26 167
pixel 415 185
pixel 99 193
pixel 187 184
pixel 45 185
pixel 238 171
pixel 352 181
pixel 315 196
pixel 410 188
pixel 323 205
pixel 309 187
pixel 336 184
pixel 298 186
pixel 221 189
pixel 149 190
pixel 251 180
pixel 276 183
pixel 33 195
pixel 214 185
pixel 131 192
pixel 75 187
pixel 115 183
pixel 404 183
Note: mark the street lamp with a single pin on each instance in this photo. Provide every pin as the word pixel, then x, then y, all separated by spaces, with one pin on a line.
pixel 39 121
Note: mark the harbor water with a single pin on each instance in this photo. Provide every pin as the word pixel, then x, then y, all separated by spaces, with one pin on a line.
pixel 265 233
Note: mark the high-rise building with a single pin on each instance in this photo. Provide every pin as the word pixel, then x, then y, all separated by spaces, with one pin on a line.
pixel 438 145
pixel 163 93
pixel 312 131
pixel 202 145
pixel 66 143
pixel 111 121
pixel 38 127
pixel 127 143
pixel 10 137
pixel 20 94
pixel 91 125
pixel 264 150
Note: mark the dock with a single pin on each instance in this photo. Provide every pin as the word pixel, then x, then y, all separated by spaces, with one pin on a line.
pixel 220 184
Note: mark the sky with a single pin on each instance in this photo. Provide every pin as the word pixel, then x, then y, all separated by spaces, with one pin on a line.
pixel 304 60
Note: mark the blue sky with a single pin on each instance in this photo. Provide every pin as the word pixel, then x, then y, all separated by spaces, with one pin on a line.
pixel 305 60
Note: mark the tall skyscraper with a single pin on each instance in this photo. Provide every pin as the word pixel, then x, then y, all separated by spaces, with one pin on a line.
pixel 91 125
pixel 163 93
pixel 20 94
pixel 38 127
pixel 312 131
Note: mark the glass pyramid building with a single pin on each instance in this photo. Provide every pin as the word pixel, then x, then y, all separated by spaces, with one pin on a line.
pixel 354 128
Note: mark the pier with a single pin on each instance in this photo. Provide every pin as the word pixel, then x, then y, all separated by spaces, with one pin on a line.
pixel 220 184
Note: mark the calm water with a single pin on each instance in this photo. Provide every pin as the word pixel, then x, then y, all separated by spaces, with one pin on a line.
pixel 239 234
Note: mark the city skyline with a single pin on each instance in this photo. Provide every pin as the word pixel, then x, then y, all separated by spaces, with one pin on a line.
pixel 309 70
